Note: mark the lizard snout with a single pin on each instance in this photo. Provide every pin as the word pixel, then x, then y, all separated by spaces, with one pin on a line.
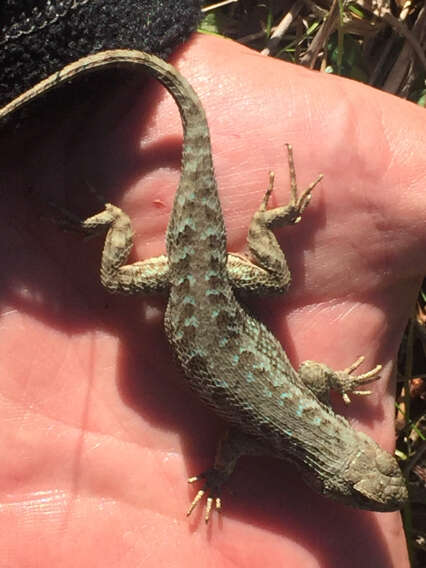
pixel 378 482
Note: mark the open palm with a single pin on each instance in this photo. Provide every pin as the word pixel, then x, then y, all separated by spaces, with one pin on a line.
pixel 98 432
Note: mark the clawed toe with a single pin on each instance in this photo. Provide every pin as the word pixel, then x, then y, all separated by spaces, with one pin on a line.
pixel 349 382
pixel 213 482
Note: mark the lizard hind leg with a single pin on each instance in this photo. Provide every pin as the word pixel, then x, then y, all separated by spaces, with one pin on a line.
pixel 230 448
pixel 149 276
pixel 270 271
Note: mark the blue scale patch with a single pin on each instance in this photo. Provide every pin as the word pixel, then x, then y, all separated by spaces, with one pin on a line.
pixel 185 251
pixel 250 378
pixel 221 384
pixel 211 274
pixel 267 392
pixel 209 232
pixel 198 353
pixel 191 322
pixel 188 222
pixel 213 292
pixel 182 199
pixel 302 406
pixel 187 278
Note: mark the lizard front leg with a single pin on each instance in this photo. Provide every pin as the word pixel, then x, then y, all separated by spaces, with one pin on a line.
pixel 320 379
pixel 145 276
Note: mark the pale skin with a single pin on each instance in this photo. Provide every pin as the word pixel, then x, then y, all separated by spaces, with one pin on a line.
pixel 98 433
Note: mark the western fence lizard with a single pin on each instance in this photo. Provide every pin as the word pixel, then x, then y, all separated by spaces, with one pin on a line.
pixel 232 361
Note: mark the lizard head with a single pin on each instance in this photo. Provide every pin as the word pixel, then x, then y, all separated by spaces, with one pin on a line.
pixel 375 477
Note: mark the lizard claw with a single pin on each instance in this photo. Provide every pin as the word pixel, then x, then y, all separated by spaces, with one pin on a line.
pixel 303 201
pixel 213 482
pixel 348 382
pixel 64 218
pixel 292 212
pixel 299 204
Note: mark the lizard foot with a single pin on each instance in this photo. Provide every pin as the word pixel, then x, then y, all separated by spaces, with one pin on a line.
pixel 291 213
pixel 214 479
pixel 298 203
pixel 321 379
pixel 346 382
pixel 64 218
pixel 69 221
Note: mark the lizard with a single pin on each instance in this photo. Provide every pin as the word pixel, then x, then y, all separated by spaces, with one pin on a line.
pixel 229 358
